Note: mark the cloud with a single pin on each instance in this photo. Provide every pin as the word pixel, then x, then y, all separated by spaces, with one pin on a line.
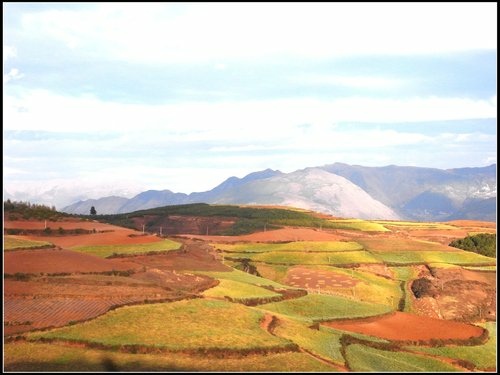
pixel 181 33
pixel 357 82
pixel 12 75
pixel 9 52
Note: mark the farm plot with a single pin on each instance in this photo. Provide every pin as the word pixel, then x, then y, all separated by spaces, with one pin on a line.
pixel 60 261
pixel 362 358
pixel 105 251
pixel 483 357
pixel 401 326
pixel 21 243
pixel 243 277
pixel 457 257
pixel 35 357
pixel 357 224
pixel 305 246
pixel 179 326
pixel 402 245
pixel 352 283
pixel 322 343
pixel 411 225
pixel 238 291
pixel 317 307
pixel 22 314
pixel 292 257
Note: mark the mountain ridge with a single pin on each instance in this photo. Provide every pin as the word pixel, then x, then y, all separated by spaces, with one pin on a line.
pixel 415 193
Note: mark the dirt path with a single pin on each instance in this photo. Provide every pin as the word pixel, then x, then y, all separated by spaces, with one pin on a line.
pixel 339 368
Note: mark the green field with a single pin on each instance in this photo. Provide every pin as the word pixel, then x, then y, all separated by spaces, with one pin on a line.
pixel 317 307
pixel 363 358
pixel 290 258
pixel 484 356
pixel 306 246
pixel 16 243
pixel 105 251
pixel 323 343
pixel 36 357
pixel 459 257
pixel 357 224
pixel 189 324
pixel 239 291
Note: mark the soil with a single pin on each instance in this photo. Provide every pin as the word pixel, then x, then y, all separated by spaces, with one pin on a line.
pixel 317 280
pixel 279 235
pixel 176 224
pixel 401 326
pixel 60 261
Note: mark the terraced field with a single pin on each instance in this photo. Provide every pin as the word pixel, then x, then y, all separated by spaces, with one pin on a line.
pixel 185 325
pixel 105 251
pixel 458 257
pixel 303 246
pixel 19 243
pixel 296 257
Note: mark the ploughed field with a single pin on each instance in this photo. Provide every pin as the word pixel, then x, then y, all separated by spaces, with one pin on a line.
pixel 336 295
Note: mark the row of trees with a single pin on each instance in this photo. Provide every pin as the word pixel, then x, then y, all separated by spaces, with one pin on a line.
pixel 483 243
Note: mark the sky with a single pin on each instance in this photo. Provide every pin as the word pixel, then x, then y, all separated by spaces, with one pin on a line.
pixel 119 98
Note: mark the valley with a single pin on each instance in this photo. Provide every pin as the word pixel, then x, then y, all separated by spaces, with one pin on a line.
pixel 202 287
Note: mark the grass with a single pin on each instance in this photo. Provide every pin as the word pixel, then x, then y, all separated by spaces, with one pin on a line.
pixel 323 343
pixel 238 290
pixel 406 274
pixel 317 307
pixel 482 356
pixel 273 272
pixel 188 324
pixel 306 246
pixel 290 258
pixel 105 251
pixel 16 243
pixel 458 257
pixel 357 224
pixel 363 358
pixel 36 357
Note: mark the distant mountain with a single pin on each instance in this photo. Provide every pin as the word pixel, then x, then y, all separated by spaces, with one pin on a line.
pixel 423 193
pixel 413 193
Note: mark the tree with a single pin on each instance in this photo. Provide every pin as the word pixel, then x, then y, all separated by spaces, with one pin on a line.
pixel 93 211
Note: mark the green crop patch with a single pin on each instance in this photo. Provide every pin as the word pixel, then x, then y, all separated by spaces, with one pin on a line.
pixel 36 357
pixel 16 243
pixel 357 224
pixel 459 257
pixel 183 325
pixel 322 343
pixel 105 251
pixel 243 277
pixel 305 246
pixel 239 291
pixel 333 258
pixel 484 356
pixel 363 358
pixel 318 307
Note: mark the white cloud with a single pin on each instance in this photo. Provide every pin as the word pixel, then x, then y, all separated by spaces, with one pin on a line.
pixel 13 74
pixel 167 33
pixel 357 82
pixel 9 52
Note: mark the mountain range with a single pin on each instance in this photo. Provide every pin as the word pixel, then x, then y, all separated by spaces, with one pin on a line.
pixel 391 192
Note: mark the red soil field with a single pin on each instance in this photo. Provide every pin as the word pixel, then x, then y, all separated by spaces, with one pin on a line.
pixel 117 235
pixel 307 278
pixel 284 234
pixel 60 261
pixel 401 326
pixel 472 223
